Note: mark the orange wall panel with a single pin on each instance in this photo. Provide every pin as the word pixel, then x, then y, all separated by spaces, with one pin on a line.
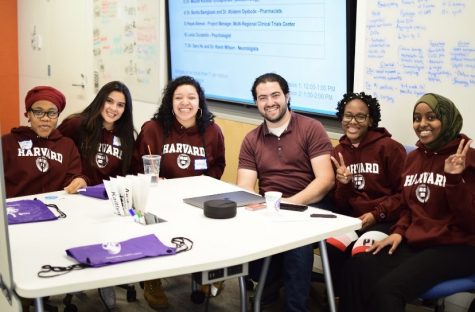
pixel 9 110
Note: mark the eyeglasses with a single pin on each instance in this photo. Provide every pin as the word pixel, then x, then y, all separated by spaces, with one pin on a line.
pixel 38 113
pixel 359 118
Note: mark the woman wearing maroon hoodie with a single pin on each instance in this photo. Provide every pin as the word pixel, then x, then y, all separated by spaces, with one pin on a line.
pixel 368 162
pixel 368 165
pixel 184 133
pixel 434 238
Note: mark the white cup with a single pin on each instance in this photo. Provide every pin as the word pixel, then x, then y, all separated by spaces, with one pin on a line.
pixel 273 201
pixel 151 167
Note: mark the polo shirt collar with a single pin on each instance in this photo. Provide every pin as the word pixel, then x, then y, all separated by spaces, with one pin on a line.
pixel 289 126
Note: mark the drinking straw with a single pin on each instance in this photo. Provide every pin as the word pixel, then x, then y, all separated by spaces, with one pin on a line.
pixel 153 164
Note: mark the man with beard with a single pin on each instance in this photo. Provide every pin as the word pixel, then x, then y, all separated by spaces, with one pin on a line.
pixel 288 153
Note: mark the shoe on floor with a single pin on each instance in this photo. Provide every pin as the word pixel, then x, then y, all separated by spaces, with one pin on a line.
pixel 107 296
pixel 216 289
pixel 154 294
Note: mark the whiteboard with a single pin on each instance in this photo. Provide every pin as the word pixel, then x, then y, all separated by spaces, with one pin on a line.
pixel 405 48
pixel 126 45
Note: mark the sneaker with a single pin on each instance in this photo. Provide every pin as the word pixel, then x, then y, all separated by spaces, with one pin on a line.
pixel 154 294
pixel 107 296
pixel 216 289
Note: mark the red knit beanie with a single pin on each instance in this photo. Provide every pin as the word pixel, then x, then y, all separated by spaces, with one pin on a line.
pixel 45 93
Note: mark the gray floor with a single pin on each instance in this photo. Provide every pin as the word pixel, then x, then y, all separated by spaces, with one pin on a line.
pixel 178 290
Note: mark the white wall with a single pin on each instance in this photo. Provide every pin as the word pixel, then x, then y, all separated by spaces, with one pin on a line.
pixel 64 44
pixel 32 18
pixel 75 58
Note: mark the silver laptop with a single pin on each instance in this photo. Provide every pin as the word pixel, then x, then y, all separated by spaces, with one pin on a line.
pixel 242 198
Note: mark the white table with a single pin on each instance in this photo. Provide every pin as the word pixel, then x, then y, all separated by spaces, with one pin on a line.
pixel 249 236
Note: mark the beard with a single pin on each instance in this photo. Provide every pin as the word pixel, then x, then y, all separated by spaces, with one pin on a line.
pixel 275 118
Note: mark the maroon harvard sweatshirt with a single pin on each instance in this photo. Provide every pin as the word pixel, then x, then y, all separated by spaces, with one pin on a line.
pixel 108 159
pixel 376 165
pixel 438 208
pixel 37 165
pixel 185 152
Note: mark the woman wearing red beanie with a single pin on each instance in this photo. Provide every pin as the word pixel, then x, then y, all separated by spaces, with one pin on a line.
pixel 38 159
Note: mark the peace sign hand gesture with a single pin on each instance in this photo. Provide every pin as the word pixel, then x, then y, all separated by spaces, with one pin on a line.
pixel 342 173
pixel 455 163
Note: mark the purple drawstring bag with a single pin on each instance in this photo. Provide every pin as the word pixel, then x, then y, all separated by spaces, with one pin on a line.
pixel 98 255
pixel 96 191
pixel 30 210
pixel 115 252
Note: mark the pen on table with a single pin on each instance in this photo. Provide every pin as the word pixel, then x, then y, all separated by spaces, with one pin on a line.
pixel 134 215
pixel 140 216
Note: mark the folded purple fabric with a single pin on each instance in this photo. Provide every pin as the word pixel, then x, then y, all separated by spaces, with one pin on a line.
pixel 115 252
pixel 96 191
pixel 28 210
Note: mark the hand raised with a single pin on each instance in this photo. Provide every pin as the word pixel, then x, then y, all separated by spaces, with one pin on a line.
pixel 342 173
pixel 455 163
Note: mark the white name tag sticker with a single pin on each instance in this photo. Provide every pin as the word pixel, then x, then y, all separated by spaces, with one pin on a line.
pixel 27 144
pixel 200 164
pixel 116 141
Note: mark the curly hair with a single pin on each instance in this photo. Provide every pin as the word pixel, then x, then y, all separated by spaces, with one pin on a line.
pixel 165 112
pixel 90 132
pixel 374 108
pixel 271 77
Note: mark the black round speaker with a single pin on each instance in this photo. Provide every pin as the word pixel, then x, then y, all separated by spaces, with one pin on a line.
pixel 220 209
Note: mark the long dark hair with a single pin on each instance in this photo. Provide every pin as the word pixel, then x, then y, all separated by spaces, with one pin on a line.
pixel 91 125
pixel 165 112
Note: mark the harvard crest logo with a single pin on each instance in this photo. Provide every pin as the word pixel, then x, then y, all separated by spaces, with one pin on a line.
pixel 101 160
pixel 358 181
pixel 183 161
pixel 42 164
pixel 422 193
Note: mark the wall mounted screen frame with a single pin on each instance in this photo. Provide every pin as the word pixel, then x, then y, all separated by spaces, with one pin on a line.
pixel 226 44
